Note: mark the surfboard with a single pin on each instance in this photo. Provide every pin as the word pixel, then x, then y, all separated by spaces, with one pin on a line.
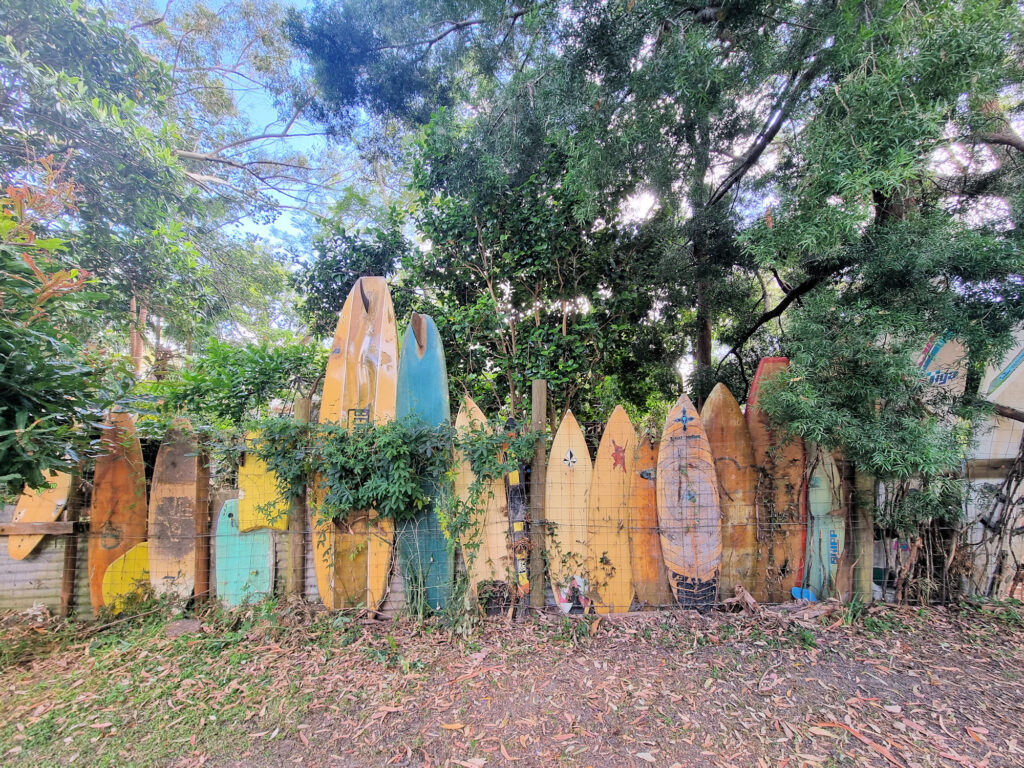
pixel 352 558
pixel 174 512
pixel 428 563
pixel 260 504
pixel 689 512
pixel 566 506
pixel 44 505
pixel 245 560
pixel 609 520
pixel 779 496
pixel 826 526
pixel 650 577
pixel 118 512
pixel 485 542
pixel 126 576
pixel 733 453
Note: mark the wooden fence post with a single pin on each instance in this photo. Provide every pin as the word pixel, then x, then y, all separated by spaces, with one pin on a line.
pixel 295 553
pixel 538 475
pixel 864 537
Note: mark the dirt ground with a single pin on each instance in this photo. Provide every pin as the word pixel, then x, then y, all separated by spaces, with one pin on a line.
pixel 281 685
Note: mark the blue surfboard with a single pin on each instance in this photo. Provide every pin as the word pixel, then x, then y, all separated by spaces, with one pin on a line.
pixel 425 554
pixel 244 561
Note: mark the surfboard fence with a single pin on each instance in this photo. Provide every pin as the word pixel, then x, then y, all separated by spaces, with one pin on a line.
pixel 626 523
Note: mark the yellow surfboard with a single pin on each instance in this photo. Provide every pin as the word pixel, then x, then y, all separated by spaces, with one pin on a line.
pixel 485 542
pixel 737 480
pixel 352 559
pixel 125 576
pixel 41 506
pixel 609 568
pixel 260 504
pixel 565 503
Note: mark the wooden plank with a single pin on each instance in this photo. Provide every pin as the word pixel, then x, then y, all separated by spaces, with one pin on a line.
pixel 538 479
pixel 295 550
pixel 59 528
pixel 67 579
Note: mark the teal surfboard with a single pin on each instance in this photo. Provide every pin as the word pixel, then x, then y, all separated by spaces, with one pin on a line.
pixel 826 534
pixel 426 559
pixel 244 561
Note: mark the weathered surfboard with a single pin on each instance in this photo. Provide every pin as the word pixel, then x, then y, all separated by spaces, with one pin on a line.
pixel 566 493
pixel 126 576
pixel 780 498
pixel 609 519
pixel 41 506
pixel 689 513
pixel 826 527
pixel 352 559
pixel 650 577
pixel 118 510
pixel 245 560
pixel 260 504
pixel 737 478
pixel 485 542
pixel 428 562
pixel 176 530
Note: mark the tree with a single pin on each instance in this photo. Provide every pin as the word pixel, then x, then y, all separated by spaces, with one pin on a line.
pixel 711 108
pixel 52 388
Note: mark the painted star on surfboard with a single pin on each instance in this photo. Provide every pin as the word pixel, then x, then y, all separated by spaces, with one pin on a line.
pixel 570 458
pixel 618 456
pixel 685 420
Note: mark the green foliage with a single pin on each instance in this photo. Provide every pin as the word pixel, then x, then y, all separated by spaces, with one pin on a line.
pixel 393 468
pixel 228 384
pixel 340 258
pixel 52 389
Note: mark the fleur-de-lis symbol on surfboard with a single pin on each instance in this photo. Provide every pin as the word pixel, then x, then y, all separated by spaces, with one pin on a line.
pixel 570 458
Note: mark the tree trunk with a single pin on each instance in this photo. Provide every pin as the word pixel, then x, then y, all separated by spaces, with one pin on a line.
pixel 702 351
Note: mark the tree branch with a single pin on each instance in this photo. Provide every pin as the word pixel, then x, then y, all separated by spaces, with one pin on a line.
pixel 776 118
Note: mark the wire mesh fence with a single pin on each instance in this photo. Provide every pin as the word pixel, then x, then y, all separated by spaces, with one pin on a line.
pixel 619 531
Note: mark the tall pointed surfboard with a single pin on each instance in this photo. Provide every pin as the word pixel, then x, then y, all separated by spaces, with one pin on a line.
pixel 566 492
pixel 689 513
pixel 352 559
pixel 780 497
pixel 260 504
pixel 609 519
pixel 245 560
pixel 485 544
pixel 826 526
pixel 428 563
pixel 177 529
pixel 737 479
pixel 127 575
pixel 650 577
pixel 44 505
pixel 118 510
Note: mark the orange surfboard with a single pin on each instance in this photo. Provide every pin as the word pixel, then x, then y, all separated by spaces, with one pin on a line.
pixel 689 513
pixel 118 511
pixel 780 498
pixel 737 478
pixel 41 506
pixel 650 578
pixel 352 559
pixel 609 522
